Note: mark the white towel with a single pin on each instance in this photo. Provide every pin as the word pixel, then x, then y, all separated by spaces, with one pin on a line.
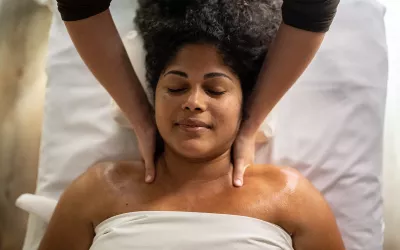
pixel 158 230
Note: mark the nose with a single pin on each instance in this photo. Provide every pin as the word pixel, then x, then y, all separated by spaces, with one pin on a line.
pixel 195 100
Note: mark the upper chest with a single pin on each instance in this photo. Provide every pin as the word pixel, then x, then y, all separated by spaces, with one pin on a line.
pixel 257 200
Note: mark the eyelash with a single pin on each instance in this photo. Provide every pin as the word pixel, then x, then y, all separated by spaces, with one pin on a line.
pixel 216 93
pixel 175 90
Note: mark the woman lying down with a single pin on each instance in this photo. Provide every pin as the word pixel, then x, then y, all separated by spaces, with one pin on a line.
pixel 203 57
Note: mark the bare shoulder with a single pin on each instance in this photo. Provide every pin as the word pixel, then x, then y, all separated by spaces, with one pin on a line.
pixel 116 174
pixel 305 213
pixel 282 177
pixel 276 177
pixel 105 176
pixel 298 200
pixel 96 189
pixel 297 187
pixel 86 202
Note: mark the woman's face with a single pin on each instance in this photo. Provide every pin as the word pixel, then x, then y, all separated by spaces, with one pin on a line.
pixel 198 103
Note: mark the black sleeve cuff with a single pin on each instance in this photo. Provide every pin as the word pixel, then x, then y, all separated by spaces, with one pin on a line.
pixel 73 10
pixel 310 15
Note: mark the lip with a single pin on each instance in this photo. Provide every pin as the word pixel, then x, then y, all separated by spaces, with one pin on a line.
pixel 193 125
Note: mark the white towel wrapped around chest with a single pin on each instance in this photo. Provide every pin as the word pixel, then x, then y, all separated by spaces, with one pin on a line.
pixel 158 230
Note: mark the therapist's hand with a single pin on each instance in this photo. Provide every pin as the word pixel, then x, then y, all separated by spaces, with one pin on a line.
pixel 113 69
pixel 244 149
pixel 292 50
pixel 147 144
pixel 243 156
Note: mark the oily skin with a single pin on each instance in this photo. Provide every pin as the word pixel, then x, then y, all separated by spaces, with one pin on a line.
pixel 197 111
pixel 196 85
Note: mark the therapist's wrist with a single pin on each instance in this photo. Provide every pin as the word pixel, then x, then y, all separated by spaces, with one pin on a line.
pixel 144 123
pixel 248 128
pixel 137 108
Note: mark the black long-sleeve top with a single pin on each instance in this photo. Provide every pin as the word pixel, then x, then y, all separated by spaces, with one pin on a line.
pixel 311 15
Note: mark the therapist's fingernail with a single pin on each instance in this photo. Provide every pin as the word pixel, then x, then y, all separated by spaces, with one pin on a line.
pixel 149 178
pixel 238 182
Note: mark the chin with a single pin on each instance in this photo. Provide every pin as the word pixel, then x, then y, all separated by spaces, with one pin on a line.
pixel 193 150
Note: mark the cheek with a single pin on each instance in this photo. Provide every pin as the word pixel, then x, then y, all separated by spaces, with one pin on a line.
pixel 228 114
pixel 161 110
pixel 165 107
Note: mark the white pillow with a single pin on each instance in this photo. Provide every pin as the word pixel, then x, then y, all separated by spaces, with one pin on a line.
pixel 330 124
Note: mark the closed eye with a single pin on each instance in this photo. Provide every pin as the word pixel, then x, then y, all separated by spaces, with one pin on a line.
pixel 177 90
pixel 217 93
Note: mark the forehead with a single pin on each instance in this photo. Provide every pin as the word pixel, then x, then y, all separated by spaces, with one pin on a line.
pixel 200 58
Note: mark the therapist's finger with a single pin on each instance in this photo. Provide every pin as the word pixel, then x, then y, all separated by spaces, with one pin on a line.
pixel 150 172
pixel 239 169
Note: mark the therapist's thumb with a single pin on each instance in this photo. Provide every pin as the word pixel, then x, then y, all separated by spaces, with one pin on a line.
pixel 150 171
pixel 239 168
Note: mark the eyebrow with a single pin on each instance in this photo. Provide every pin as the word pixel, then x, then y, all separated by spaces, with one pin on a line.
pixel 216 74
pixel 206 76
pixel 176 72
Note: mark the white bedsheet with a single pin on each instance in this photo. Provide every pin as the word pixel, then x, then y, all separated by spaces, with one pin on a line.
pixel 329 125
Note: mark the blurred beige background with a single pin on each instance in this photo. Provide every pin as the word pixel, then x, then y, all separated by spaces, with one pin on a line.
pixel 24 29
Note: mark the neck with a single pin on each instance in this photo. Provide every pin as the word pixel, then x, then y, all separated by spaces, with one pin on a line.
pixel 183 171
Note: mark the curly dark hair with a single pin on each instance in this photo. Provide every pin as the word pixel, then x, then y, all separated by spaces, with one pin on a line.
pixel 241 30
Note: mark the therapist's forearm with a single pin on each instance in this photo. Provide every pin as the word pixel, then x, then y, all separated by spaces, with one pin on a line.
pixel 288 57
pixel 100 46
